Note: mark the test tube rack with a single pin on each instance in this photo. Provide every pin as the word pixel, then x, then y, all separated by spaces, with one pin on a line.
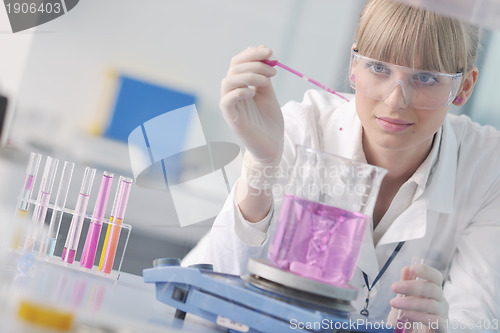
pixel 110 248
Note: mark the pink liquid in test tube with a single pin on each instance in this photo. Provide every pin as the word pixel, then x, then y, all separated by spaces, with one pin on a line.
pixel 75 228
pixel 94 232
pixel 299 74
pixel 29 180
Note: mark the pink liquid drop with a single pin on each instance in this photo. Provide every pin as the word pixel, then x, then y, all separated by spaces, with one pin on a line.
pixel 317 241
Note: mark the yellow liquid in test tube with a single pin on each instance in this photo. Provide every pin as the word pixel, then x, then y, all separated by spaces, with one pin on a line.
pixel 109 254
pixel 22 213
pixel 105 245
pixel 15 239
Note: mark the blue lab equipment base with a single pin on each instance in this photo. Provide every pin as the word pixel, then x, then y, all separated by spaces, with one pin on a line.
pixel 215 296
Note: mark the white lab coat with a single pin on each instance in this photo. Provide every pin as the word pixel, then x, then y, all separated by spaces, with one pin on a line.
pixel 454 223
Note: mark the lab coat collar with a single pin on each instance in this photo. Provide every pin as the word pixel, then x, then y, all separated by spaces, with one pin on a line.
pixel 367 260
pixel 411 224
pixel 423 173
pixel 441 184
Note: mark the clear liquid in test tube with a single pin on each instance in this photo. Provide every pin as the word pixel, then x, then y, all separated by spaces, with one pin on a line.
pixel 75 228
pixel 42 203
pixel 59 205
pixel 23 202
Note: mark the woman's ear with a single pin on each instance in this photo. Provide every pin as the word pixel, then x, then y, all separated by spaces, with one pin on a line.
pixel 467 87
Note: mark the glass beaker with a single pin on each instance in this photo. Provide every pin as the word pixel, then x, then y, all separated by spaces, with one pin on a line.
pixel 328 202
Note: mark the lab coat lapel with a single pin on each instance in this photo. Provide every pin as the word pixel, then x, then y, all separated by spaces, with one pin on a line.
pixel 367 260
pixel 411 224
pixel 441 187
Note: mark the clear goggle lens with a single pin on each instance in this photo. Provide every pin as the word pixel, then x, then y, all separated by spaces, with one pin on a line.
pixel 420 88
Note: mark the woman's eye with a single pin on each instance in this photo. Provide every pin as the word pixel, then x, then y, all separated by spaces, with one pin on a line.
pixel 426 78
pixel 378 68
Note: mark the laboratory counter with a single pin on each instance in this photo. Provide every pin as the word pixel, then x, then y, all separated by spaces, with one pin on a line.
pixel 40 296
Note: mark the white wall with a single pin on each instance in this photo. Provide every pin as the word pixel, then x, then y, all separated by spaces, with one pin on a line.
pixel 184 44
pixel 57 72
pixel 485 105
pixel 14 50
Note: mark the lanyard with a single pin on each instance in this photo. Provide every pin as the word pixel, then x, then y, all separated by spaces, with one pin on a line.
pixel 365 312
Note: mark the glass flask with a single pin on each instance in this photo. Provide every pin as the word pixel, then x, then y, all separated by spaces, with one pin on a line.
pixel 328 203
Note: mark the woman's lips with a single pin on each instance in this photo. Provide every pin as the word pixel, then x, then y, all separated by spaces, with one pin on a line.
pixel 392 124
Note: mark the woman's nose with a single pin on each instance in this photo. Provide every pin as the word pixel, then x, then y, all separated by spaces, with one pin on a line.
pixel 396 98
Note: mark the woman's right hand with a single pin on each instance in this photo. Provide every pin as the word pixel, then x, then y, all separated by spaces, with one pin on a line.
pixel 250 107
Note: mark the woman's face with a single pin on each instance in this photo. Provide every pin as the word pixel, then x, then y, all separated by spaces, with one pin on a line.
pixel 390 122
pixel 393 125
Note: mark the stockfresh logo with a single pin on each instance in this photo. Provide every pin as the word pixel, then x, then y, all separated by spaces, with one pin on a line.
pixel 26 14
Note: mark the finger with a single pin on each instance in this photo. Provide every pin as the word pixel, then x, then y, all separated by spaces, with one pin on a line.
pixel 229 100
pixel 418 288
pixel 418 304
pixel 405 273
pixel 428 273
pixel 252 67
pixel 244 80
pixel 252 54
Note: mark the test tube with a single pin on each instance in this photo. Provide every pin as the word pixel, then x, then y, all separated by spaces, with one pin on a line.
pixel 42 204
pixel 90 248
pixel 25 197
pixel 75 228
pixel 118 214
pixel 108 228
pixel 401 322
pixel 60 203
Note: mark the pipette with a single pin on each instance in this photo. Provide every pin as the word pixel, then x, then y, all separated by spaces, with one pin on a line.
pixel 117 215
pixel 89 250
pixel 57 212
pixel 23 202
pixel 42 204
pixel 273 63
pixel 75 228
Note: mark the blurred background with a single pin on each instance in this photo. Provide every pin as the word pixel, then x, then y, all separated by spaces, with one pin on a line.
pixel 64 80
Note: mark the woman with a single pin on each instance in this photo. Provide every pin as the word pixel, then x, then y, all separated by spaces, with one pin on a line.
pixel 441 196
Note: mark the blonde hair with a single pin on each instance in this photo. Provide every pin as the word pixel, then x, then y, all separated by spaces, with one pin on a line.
pixel 397 33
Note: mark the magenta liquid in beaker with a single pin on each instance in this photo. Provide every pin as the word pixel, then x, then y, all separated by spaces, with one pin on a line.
pixel 326 242
pixel 328 203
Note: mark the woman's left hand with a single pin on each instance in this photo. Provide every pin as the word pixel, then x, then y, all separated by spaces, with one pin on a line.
pixel 424 301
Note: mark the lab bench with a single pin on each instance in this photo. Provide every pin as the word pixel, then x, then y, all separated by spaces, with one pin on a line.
pixel 38 296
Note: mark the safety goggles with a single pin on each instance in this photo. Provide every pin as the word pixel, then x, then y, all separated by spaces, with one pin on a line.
pixel 420 88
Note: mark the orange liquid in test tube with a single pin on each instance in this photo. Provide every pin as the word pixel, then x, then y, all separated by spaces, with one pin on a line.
pixel 114 228
pixel 114 236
